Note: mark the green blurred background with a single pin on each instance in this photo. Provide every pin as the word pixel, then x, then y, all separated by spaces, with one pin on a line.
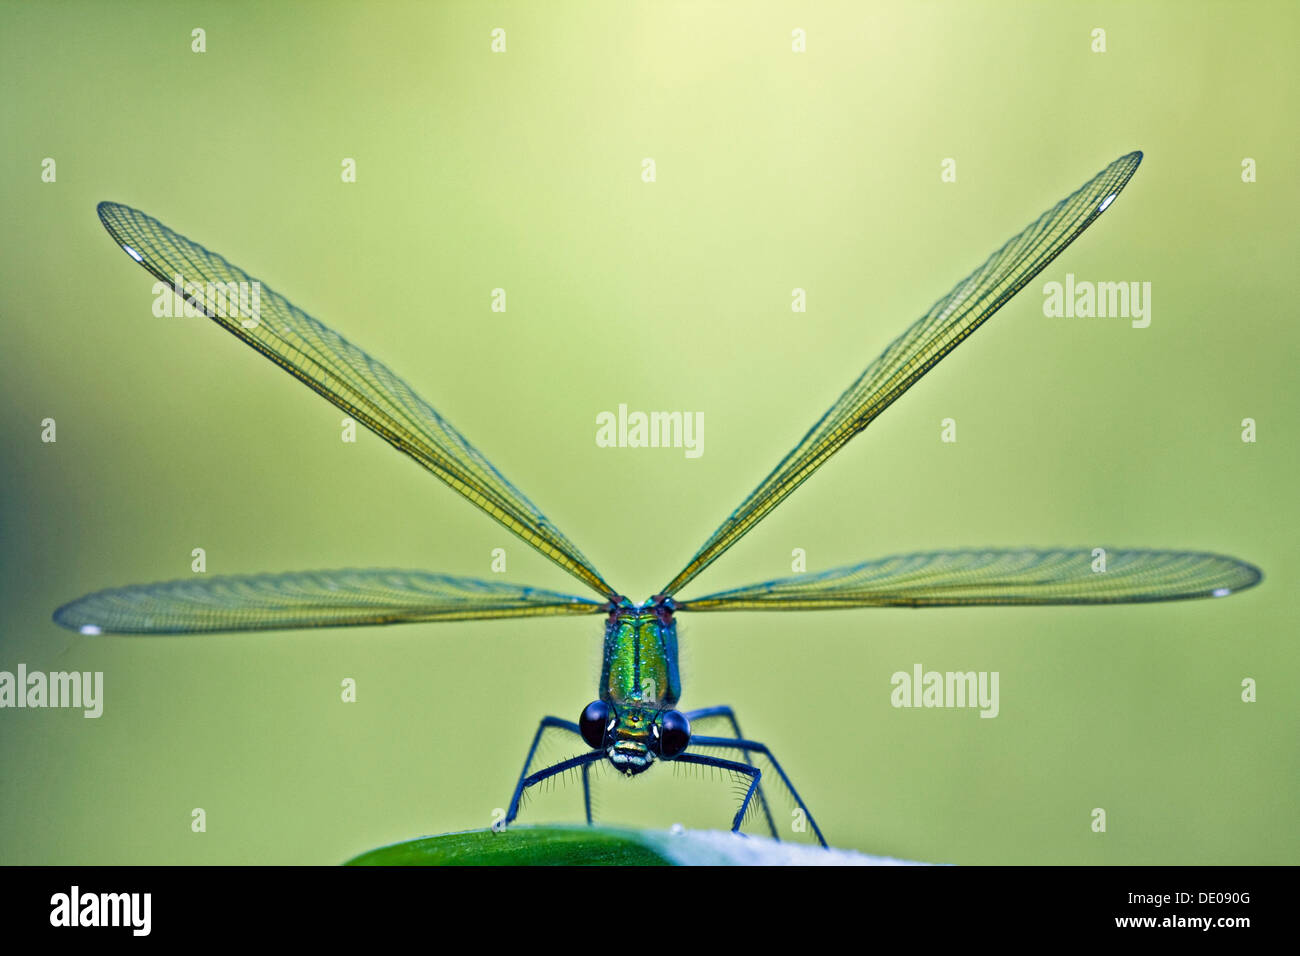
pixel 775 170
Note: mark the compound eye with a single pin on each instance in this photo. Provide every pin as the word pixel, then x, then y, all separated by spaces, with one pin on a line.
pixel 596 721
pixel 673 732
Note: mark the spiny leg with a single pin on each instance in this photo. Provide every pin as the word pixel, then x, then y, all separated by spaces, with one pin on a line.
pixel 749 770
pixel 752 746
pixel 522 784
pixel 557 768
pixel 586 791
pixel 724 712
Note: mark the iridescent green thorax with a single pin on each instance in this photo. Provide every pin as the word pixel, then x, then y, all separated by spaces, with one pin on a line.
pixel 639 678
pixel 640 666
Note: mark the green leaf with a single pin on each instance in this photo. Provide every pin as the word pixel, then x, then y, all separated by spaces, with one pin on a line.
pixel 607 846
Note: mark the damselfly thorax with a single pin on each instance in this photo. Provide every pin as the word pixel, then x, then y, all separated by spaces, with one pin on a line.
pixel 634 720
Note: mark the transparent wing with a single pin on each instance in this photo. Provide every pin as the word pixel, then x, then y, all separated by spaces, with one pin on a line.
pixel 328 363
pixel 346 598
pixel 968 578
pixel 916 351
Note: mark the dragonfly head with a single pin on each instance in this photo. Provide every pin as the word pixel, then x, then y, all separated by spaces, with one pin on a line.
pixel 634 737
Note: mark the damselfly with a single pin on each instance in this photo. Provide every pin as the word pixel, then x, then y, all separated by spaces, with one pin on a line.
pixel 634 723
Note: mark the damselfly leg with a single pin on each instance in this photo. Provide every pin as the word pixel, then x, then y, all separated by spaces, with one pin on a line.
pixel 727 716
pixel 527 780
pixel 747 749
